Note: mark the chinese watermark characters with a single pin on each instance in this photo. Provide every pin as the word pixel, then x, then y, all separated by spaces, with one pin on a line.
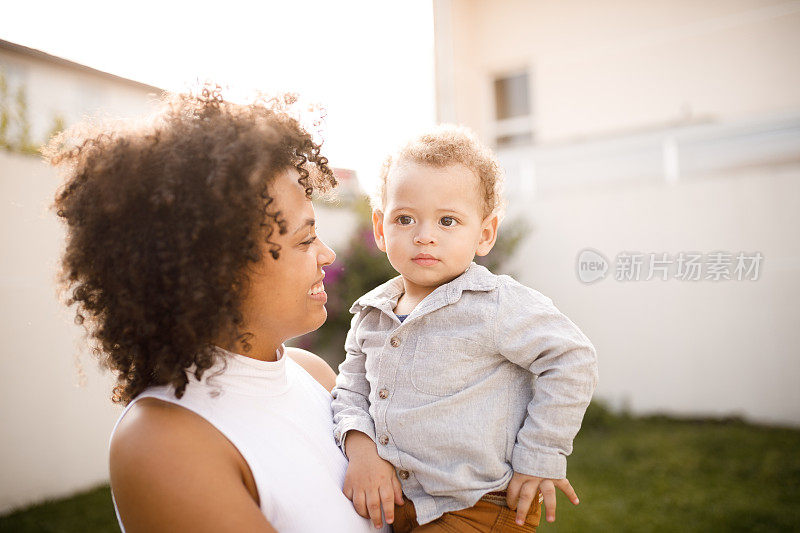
pixel 684 266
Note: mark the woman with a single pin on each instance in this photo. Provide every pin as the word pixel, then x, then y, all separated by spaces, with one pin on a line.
pixel 192 255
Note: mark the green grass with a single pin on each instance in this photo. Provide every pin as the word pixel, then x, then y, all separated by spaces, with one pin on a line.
pixel 659 474
pixel 632 474
pixel 88 511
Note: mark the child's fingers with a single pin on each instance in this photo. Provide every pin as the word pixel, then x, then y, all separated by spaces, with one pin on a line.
pixel 398 491
pixel 374 508
pixel 387 502
pixel 567 489
pixel 526 495
pixel 359 503
pixel 549 492
pixel 512 493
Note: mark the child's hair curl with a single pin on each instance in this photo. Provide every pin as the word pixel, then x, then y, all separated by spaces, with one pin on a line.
pixel 446 145
pixel 162 220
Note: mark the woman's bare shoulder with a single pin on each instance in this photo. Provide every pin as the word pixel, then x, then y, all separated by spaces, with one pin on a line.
pixel 172 470
pixel 314 365
pixel 153 423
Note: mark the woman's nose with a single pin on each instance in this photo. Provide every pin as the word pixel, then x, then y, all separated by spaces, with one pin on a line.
pixel 327 255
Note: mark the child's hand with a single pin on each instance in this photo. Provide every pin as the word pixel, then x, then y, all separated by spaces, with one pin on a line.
pixel 523 489
pixel 370 482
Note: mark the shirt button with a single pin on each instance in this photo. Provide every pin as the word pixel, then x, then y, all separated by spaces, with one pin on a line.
pixel 395 342
pixel 383 393
pixel 403 474
pixel 384 440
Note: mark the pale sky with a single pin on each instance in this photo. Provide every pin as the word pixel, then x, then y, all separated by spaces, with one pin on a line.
pixel 369 62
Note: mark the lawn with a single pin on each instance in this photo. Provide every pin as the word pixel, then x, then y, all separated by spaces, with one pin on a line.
pixel 632 474
pixel 661 474
pixel 86 512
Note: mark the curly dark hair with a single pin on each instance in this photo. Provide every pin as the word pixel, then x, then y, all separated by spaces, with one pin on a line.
pixel 162 221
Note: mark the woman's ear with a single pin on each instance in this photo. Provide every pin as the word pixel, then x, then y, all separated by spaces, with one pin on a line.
pixel 377 229
pixel 488 234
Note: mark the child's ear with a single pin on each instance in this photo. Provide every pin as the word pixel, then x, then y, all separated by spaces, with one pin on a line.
pixel 488 234
pixel 377 229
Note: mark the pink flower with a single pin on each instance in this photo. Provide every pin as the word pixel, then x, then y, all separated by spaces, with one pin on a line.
pixel 333 273
pixel 368 238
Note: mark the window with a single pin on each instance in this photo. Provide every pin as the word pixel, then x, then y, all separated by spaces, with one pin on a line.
pixel 513 123
pixel 511 96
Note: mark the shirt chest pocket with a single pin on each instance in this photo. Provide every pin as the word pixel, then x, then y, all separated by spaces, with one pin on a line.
pixel 442 365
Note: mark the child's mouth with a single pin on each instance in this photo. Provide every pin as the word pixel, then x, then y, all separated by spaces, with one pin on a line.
pixel 425 260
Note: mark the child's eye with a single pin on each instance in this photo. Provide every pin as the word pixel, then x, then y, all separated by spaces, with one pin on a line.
pixel 448 222
pixel 404 220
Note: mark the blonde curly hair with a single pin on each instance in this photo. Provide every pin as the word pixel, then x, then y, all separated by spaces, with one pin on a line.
pixel 446 145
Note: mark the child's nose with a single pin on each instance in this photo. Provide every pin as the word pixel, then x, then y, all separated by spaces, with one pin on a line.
pixel 424 237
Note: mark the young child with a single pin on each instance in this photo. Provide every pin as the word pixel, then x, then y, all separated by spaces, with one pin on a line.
pixel 457 383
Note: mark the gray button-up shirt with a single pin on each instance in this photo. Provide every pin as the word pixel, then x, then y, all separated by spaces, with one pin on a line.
pixel 485 377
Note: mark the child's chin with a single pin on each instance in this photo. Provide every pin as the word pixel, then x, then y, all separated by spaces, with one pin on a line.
pixel 429 281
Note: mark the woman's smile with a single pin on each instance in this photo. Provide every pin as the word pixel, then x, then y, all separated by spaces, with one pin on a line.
pixel 317 292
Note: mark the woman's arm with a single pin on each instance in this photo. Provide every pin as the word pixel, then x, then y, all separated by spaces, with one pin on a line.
pixel 173 471
pixel 314 365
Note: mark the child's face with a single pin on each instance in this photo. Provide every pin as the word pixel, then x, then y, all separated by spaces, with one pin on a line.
pixel 432 225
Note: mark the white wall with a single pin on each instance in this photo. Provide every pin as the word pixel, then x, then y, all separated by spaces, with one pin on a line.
pixel 55 433
pixel 55 406
pixel 60 90
pixel 687 347
pixel 660 126
pixel 599 67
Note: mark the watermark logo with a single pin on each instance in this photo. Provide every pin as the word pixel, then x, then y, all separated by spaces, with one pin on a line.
pixel 592 266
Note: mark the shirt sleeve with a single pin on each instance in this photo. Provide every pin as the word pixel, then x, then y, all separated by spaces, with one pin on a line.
pixel 532 333
pixel 351 394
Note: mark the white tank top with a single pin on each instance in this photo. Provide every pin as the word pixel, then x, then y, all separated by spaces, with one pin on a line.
pixel 280 420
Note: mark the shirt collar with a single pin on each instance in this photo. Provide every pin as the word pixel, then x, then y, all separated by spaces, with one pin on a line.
pixel 475 278
pixel 237 373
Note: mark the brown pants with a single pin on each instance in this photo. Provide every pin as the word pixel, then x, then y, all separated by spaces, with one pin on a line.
pixel 484 517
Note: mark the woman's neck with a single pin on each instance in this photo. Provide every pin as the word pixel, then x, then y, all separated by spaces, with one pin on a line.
pixel 253 346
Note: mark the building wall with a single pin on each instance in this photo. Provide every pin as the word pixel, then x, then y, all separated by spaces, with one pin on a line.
pixel 56 410
pixel 55 432
pixel 600 67
pixel 60 90
pixel 660 127
pixel 681 347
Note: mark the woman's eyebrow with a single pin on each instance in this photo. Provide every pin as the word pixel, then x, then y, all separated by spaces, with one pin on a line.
pixel 308 222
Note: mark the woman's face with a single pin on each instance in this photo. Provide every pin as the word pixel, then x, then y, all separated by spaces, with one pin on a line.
pixel 286 297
